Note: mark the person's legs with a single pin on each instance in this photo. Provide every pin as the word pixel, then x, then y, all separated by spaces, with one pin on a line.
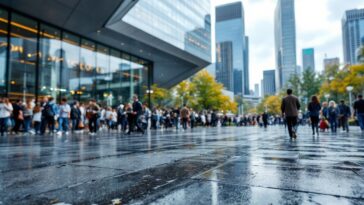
pixel 361 121
pixel 43 126
pixel 2 126
pixel 60 124
pixel 289 125
pixel 66 124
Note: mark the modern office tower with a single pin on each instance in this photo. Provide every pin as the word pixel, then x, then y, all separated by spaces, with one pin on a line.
pixel 269 82
pixel 285 42
pixel 353 32
pixel 308 59
pixel 331 62
pixel 256 90
pixel 106 50
pixel 232 50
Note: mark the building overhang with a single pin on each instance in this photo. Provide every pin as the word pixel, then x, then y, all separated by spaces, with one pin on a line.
pixel 96 20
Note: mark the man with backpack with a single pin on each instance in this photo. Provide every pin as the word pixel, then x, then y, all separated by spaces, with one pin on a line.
pixel 49 115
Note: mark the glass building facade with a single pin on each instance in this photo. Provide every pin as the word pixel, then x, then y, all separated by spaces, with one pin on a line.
pixel 353 33
pixel 186 26
pixel 308 59
pixel 37 59
pixel 230 28
pixel 285 42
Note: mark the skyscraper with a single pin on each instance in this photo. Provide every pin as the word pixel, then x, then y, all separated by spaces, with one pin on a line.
pixel 308 59
pixel 285 41
pixel 269 82
pixel 231 48
pixel 256 90
pixel 353 32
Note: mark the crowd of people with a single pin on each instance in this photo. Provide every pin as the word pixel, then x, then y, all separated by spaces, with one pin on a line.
pixel 322 116
pixel 49 117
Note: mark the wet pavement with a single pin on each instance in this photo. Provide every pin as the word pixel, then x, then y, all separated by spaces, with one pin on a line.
pixel 204 166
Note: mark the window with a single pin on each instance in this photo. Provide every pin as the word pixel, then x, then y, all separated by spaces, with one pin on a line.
pixel 87 71
pixel 70 66
pixel 50 62
pixel 103 77
pixel 23 57
pixel 3 50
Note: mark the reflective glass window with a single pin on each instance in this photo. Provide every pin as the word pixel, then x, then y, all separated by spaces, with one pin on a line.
pixel 126 78
pixel 103 77
pixel 23 57
pixel 70 66
pixel 3 49
pixel 116 75
pixel 49 62
pixel 87 70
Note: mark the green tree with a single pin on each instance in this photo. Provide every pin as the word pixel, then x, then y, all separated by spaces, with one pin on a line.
pixel 310 86
pixel 207 94
pixel 160 96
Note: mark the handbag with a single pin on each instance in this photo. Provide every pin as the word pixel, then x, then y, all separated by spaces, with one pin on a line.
pixel 20 115
pixel 81 125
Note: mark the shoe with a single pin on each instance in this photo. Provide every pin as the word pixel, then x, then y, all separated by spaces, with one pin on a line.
pixel 67 133
pixel 59 133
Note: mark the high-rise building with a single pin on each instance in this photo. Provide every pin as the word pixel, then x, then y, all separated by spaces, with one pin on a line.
pixel 256 90
pixel 285 41
pixel 269 82
pixel 353 32
pixel 308 59
pixel 331 62
pixel 106 50
pixel 232 50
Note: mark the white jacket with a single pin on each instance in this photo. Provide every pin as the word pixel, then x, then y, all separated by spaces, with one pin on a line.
pixel 5 110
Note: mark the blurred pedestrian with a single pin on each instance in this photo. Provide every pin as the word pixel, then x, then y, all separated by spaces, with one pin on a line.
pixel 314 108
pixel 290 106
pixel 359 111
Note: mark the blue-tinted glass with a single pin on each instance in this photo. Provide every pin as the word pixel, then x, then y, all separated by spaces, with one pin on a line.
pixel 23 57
pixel 87 71
pixel 71 64
pixel 49 62
pixel 3 49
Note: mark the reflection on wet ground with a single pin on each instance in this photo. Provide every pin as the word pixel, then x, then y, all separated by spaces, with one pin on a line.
pixel 204 166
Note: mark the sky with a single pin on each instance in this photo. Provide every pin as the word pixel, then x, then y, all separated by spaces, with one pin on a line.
pixel 318 25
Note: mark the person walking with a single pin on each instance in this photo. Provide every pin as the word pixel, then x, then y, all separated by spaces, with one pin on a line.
pixel 265 117
pixel 314 109
pixel 76 117
pixel 6 108
pixel 28 115
pixel 93 115
pixel 137 111
pixel 185 115
pixel 333 114
pixel 49 115
pixel 37 118
pixel 64 116
pixel 290 106
pixel 344 115
pixel 18 110
pixel 193 119
pixel 359 111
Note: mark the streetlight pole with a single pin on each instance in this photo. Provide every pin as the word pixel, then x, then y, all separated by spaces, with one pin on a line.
pixel 149 92
pixel 327 96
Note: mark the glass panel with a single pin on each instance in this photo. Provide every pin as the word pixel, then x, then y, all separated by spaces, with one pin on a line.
pixel 23 57
pixel 49 62
pixel 116 84
pixel 71 64
pixel 104 96
pixel 87 71
pixel 3 50
pixel 126 79
pixel 136 73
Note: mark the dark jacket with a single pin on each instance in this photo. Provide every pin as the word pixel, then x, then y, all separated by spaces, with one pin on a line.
pixel 344 111
pixel 359 106
pixel 333 113
pixel 290 106
pixel 137 107
pixel 314 109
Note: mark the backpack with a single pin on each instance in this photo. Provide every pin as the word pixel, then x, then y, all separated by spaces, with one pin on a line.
pixel 48 111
